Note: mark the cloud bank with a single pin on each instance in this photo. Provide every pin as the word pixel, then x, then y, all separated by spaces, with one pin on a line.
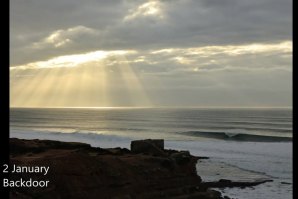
pixel 213 53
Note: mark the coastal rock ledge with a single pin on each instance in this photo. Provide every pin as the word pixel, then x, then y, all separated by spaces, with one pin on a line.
pixel 77 170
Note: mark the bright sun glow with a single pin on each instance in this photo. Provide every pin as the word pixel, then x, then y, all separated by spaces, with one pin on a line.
pixel 73 60
pixel 230 50
pixel 63 37
pixel 152 8
pixel 57 83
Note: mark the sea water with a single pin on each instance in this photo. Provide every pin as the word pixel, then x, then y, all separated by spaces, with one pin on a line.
pixel 243 144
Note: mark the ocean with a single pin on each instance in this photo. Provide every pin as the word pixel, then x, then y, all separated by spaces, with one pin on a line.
pixel 245 144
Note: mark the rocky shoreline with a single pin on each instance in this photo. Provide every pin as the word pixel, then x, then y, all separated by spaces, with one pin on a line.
pixel 77 170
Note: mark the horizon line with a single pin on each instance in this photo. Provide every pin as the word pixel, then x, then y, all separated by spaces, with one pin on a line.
pixel 156 107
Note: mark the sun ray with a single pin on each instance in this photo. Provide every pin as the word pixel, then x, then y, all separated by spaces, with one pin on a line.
pixel 51 88
pixel 26 89
pixel 137 93
pixel 66 88
pixel 103 93
pixel 17 86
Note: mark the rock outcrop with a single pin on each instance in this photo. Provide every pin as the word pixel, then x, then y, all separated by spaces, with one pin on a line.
pixel 78 171
pixel 149 146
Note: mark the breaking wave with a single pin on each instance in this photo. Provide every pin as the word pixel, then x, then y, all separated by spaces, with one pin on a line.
pixel 238 136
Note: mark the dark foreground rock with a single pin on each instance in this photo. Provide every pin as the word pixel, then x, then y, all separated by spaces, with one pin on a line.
pixel 229 183
pixel 149 146
pixel 78 170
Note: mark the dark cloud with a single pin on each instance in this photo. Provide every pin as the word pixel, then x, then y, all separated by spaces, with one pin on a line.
pixel 185 23
pixel 45 16
pixel 198 49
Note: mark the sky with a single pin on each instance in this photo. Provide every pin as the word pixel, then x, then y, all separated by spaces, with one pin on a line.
pixel 140 53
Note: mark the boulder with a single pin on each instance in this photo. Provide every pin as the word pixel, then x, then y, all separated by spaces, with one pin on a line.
pixel 149 146
pixel 181 157
pixel 225 181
